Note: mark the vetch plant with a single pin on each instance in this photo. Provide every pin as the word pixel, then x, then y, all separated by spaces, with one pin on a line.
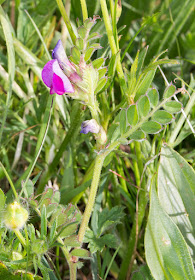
pixel 98 180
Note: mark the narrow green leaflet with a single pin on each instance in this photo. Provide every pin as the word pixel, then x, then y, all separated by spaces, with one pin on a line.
pixel 144 83
pixel 173 106
pixel 82 31
pixel 176 189
pixel 79 43
pixel 97 63
pixel 162 117
pixel 143 106
pixel 101 84
pixel 151 127
pixel 167 253
pixel 132 115
pixel 123 121
pixel 169 91
pixel 137 135
pixel 153 97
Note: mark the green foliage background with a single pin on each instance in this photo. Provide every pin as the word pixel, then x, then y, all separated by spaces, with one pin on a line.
pixel 67 158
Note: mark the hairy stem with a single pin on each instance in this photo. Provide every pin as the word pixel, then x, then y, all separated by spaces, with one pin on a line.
pixel 93 191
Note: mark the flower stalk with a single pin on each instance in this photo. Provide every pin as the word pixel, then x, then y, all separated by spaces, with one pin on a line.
pixel 92 195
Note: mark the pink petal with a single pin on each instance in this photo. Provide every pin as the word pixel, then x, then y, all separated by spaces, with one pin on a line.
pixel 47 73
pixel 66 83
pixel 58 85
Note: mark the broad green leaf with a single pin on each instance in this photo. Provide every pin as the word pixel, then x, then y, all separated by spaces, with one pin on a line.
pixel 137 135
pixel 132 115
pixel 169 91
pixel 143 106
pixel 173 106
pixel 101 84
pixel 151 127
pixel 81 253
pixel 176 189
pixel 123 121
pixel 153 97
pixel 166 251
pixel 162 117
pixel 142 273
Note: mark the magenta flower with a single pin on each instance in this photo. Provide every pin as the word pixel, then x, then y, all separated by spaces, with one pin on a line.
pixel 68 68
pixel 55 79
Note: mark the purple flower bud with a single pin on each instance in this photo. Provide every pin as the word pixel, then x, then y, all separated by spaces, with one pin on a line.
pixel 90 126
pixel 55 79
pixel 69 69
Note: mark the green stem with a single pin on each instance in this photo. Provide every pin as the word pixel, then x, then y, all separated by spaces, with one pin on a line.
pixel 94 186
pixel 182 119
pixel 91 200
pixel 84 9
pixel 111 40
pixel 66 20
pixel 10 181
pixel 72 265
pixel 20 237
